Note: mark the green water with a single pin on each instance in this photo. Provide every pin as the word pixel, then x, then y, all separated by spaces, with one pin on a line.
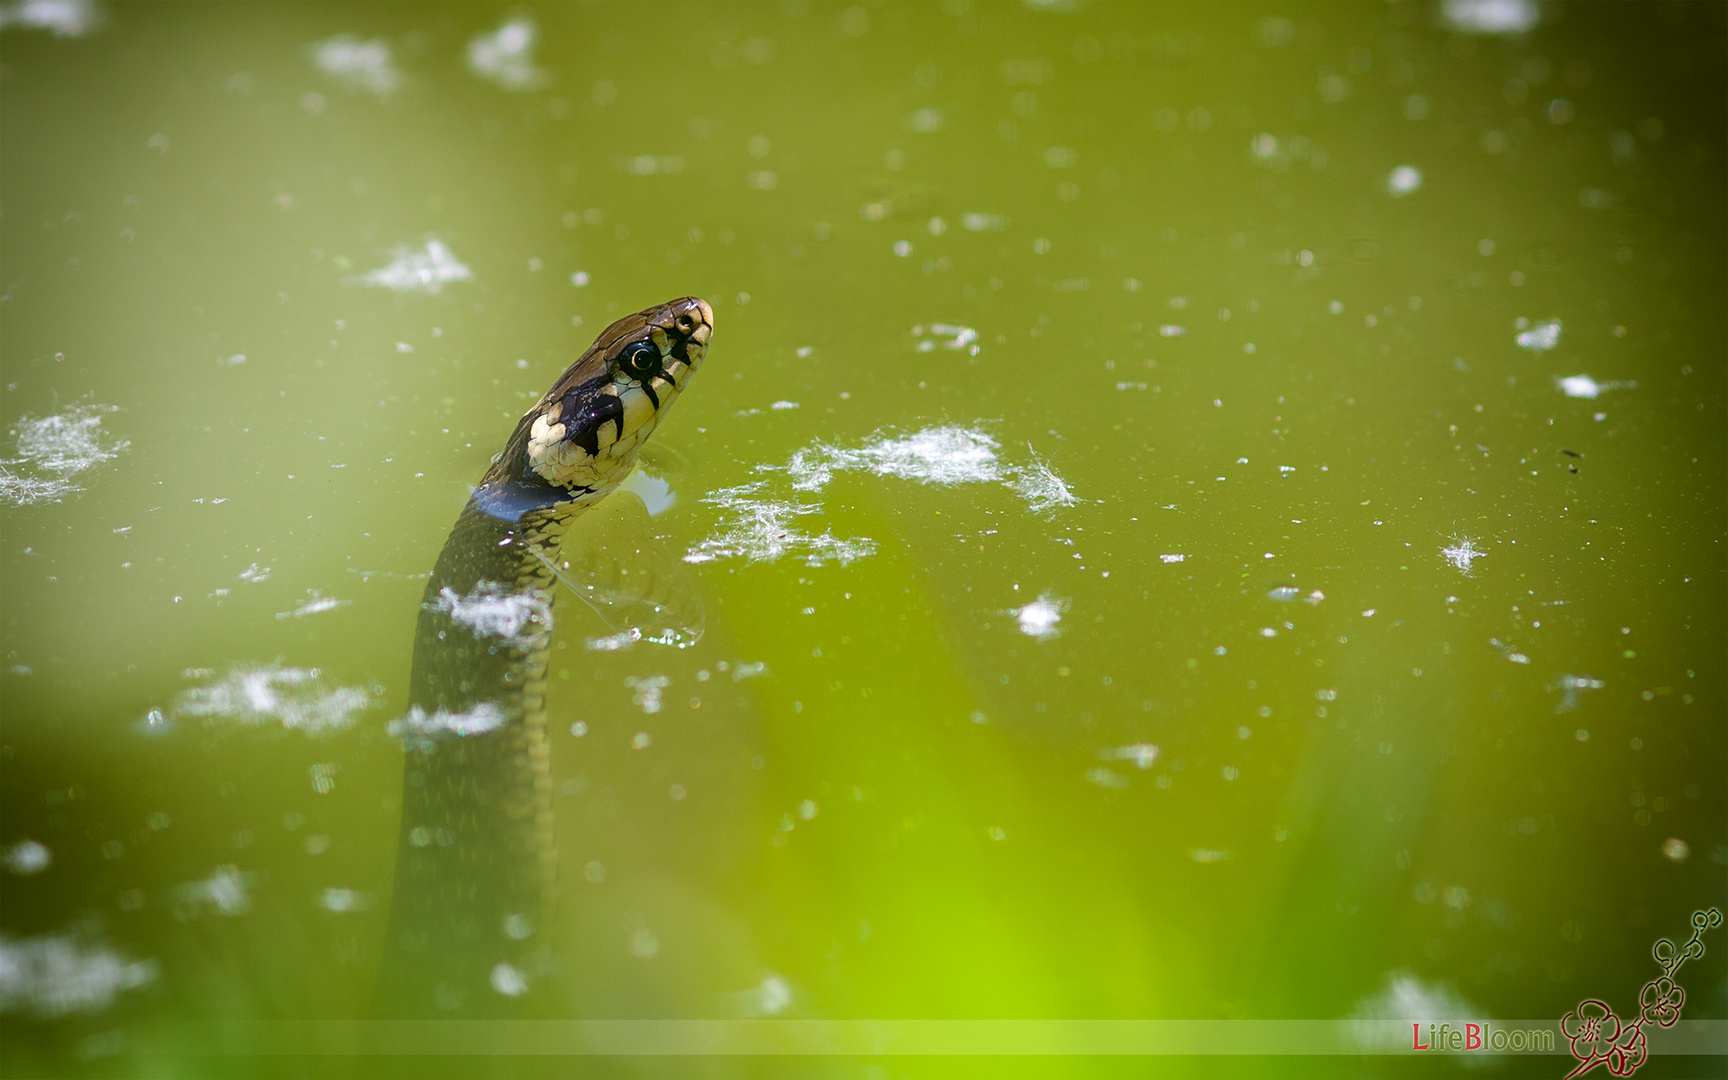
pixel 1365 655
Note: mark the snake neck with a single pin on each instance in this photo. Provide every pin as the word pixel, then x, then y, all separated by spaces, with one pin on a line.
pixel 476 864
pixel 476 867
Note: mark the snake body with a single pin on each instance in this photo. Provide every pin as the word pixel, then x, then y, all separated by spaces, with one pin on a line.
pixel 476 864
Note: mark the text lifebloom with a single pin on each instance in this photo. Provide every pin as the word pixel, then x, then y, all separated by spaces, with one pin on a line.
pixel 1483 1036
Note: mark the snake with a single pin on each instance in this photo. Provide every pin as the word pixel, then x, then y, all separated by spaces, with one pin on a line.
pixel 476 866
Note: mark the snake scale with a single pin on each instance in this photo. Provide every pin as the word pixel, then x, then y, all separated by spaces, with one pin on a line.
pixel 476 865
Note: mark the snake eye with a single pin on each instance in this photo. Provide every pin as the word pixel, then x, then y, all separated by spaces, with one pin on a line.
pixel 640 361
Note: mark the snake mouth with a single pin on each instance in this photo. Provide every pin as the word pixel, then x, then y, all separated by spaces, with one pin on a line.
pixel 581 438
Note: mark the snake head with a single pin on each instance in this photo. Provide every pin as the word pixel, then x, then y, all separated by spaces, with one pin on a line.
pixel 580 440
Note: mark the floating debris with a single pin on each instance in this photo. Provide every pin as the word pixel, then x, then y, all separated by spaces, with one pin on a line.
pixel 947 336
pixel 61 974
pixel 759 528
pixel 421 727
pixel 1105 778
pixel 427 269
pixel 1405 180
pixel 1039 619
pixel 770 998
pixel 493 611
pixel 363 65
pixel 1271 152
pixel 52 451
pixel 975 222
pixel 505 57
pixel 62 18
pixel 938 455
pixel 224 891
pixel 1570 687
pixel 509 981
pixel 648 165
pixel 1041 487
pixel 1509 652
pixel 28 857
pixel 316 605
pixel 1541 337
pixel 342 901
pixel 293 697
pixel 66 441
pixel 1583 386
pixel 925 120
pixel 1461 553
pixel 1490 16
pixel 618 642
pixel 1141 754
pixel 647 691
pixel 1382 1022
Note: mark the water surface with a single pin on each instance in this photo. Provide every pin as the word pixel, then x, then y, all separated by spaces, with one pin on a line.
pixel 1198 512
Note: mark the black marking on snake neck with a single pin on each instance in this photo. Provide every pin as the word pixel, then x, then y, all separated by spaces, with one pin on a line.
pixel 584 418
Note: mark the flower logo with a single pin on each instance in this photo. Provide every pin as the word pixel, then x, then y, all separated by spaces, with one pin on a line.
pixel 1598 1037
pixel 1629 1052
pixel 1592 1027
pixel 1661 1001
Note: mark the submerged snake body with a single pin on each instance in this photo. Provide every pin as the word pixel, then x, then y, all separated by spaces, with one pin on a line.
pixel 476 865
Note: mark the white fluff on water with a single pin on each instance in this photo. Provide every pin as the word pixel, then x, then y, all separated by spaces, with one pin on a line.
pixel 505 57
pixel 1404 180
pixel 758 522
pixel 1583 386
pixel 1462 552
pixel 1041 617
pixel 758 528
pixel 362 65
pixel 492 611
pixel 60 974
pixel 52 450
pixel 1541 337
pixel 1490 16
pixel 426 269
pixel 482 718
pixel 1382 1021
pixel 296 698
pixel 62 18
